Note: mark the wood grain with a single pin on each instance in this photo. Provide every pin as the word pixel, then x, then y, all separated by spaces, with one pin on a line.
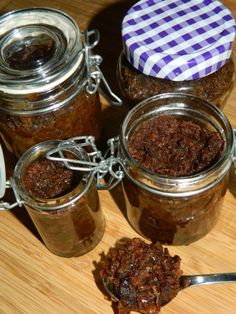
pixel 32 280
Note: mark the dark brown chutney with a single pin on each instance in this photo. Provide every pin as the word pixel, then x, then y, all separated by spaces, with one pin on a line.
pixel 137 86
pixel 73 229
pixel 49 179
pixel 143 277
pixel 170 146
pixel 81 116
pixel 173 220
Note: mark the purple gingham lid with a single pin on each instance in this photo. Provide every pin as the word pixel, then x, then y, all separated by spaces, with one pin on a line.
pixel 178 39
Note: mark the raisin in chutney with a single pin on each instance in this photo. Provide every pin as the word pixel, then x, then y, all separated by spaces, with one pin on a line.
pixel 183 47
pixel 176 151
pixel 63 203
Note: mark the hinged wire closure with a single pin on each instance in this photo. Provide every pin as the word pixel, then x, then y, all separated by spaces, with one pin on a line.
pixel 106 170
pixel 94 75
pixel 5 205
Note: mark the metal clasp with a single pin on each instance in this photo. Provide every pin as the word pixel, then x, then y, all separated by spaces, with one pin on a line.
pixel 94 73
pixel 7 206
pixel 99 166
pixel 6 184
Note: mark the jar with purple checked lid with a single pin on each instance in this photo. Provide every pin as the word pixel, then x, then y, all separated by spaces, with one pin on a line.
pixel 182 46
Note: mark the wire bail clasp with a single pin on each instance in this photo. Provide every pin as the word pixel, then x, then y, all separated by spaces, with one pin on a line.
pixel 106 170
pixel 6 205
pixel 94 74
pixel 7 184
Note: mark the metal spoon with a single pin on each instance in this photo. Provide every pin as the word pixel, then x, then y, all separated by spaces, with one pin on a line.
pixel 208 279
pixel 193 280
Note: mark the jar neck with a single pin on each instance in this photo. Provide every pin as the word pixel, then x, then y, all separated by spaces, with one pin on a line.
pixel 50 204
pixel 49 99
pixel 185 106
pixel 181 187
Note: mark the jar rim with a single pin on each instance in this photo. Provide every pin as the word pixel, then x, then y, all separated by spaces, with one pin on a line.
pixel 28 26
pixel 50 204
pixel 168 185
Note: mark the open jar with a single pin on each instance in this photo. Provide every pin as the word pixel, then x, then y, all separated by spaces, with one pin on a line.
pixel 49 79
pixel 183 47
pixel 175 207
pixel 63 204
pixel 58 182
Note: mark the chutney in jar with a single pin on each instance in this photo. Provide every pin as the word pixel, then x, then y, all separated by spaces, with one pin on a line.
pixel 177 47
pixel 176 151
pixel 171 146
pixel 82 116
pixel 63 203
pixel 137 86
pixel 173 221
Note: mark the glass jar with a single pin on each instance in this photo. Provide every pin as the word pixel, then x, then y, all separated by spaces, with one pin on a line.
pixel 63 204
pixel 49 79
pixel 183 47
pixel 172 209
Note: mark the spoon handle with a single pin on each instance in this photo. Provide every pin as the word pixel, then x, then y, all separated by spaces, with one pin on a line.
pixel 195 280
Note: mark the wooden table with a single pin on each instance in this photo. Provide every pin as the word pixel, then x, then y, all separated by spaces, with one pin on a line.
pixel 32 280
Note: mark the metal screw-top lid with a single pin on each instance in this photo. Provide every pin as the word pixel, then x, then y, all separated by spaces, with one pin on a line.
pixel 178 40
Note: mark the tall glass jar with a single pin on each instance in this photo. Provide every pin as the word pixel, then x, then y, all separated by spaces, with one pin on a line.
pixel 183 47
pixel 168 208
pixel 63 204
pixel 48 79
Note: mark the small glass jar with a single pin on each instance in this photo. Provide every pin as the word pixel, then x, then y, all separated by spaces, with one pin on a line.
pixel 70 223
pixel 175 210
pixel 49 79
pixel 183 47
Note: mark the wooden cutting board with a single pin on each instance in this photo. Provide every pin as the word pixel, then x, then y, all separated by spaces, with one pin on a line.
pixel 32 280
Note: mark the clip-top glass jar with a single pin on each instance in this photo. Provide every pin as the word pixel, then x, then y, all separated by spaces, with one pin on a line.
pixel 57 182
pixel 181 47
pixel 49 79
pixel 63 204
pixel 182 206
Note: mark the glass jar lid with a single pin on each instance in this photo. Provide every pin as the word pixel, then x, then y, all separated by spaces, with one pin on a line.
pixel 39 47
pixel 178 40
